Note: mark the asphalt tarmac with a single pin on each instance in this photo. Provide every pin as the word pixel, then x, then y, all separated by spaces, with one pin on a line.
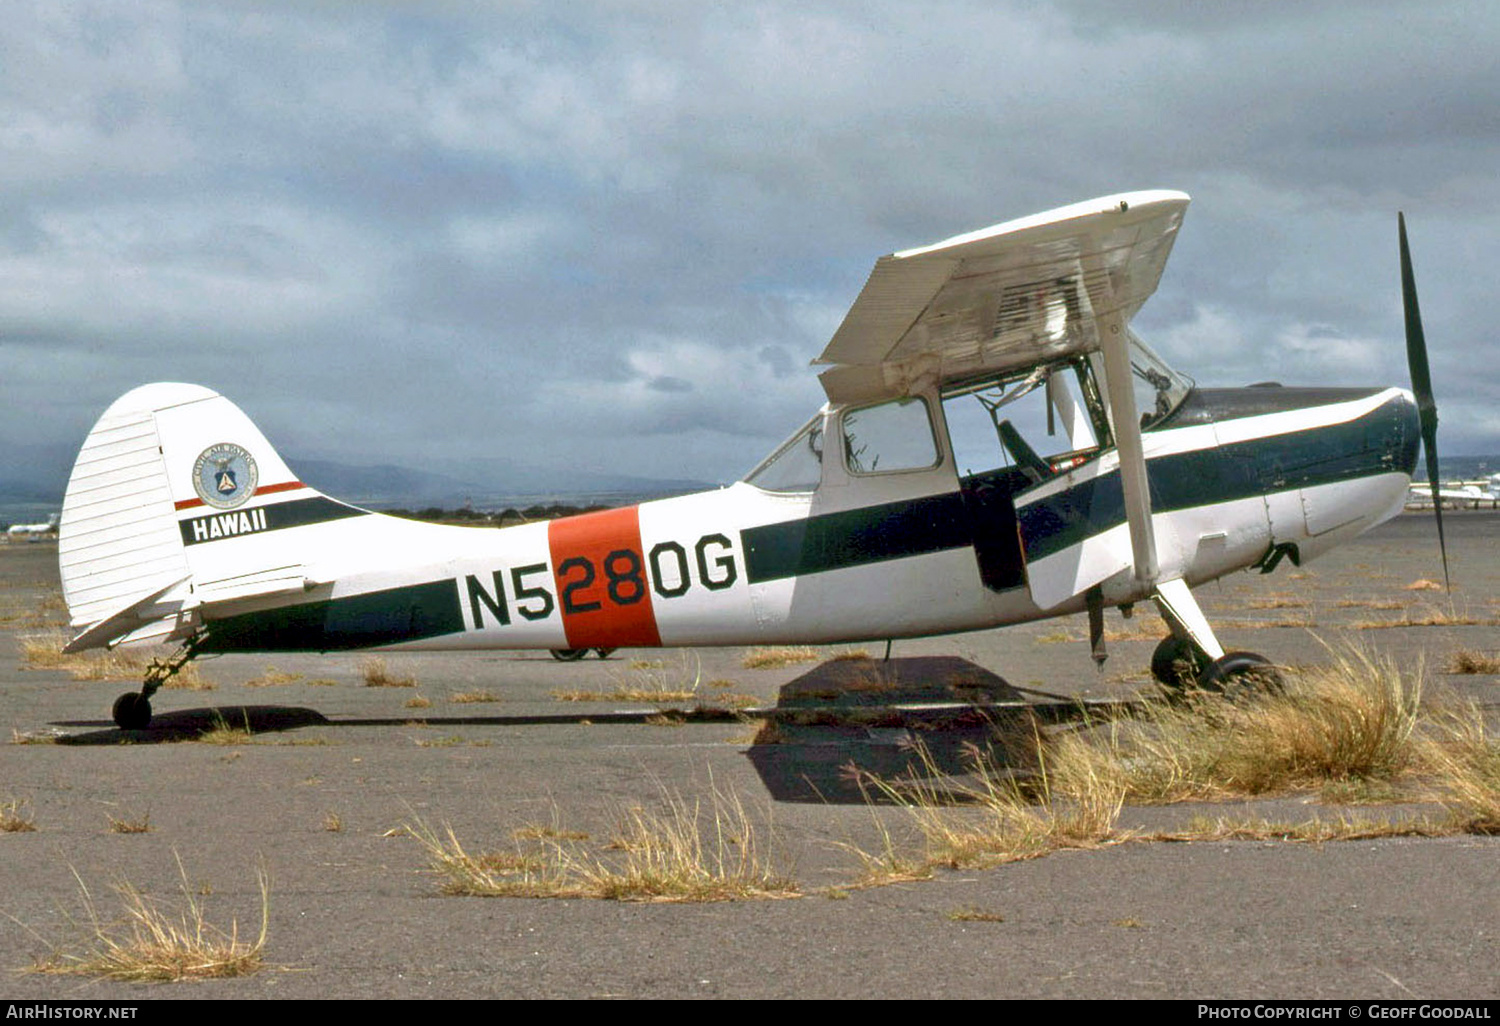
pixel 337 768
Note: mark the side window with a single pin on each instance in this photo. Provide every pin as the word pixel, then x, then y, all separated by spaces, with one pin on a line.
pixel 890 436
pixel 797 466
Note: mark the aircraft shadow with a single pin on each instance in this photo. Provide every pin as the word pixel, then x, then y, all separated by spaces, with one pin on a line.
pixel 860 731
pixel 204 724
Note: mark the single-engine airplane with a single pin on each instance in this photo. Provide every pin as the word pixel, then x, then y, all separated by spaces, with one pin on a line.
pixel 997 446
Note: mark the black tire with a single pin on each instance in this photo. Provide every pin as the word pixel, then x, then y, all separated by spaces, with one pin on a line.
pixel 569 655
pixel 603 653
pixel 1177 662
pixel 1240 673
pixel 132 711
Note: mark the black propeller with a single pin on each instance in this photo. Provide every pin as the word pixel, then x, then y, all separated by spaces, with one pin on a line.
pixel 1421 384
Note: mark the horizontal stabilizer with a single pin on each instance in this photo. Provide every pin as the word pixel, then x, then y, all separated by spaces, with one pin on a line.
pixel 134 615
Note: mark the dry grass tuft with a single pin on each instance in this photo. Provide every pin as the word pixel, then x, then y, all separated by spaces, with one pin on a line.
pixel 45 652
pixel 417 702
pixel 14 818
pixel 1352 718
pixel 1311 831
pixel 675 851
pixel 1430 617
pixel 1463 760
pixel 1278 602
pixel 1353 726
pixel 154 945
pixel 1423 584
pixel 1466 660
pixel 999 820
pixel 221 733
pixel 139 825
pixel 975 915
pixel 449 741
pixel 849 653
pixel 1369 604
pixel 729 701
pixel 272 677
pixel 22 610
pixel 655 684
pixel 377 674
pixel 333 823
pixel 775 658
pixel 1354 729
pixel 535 832
pixel 470 697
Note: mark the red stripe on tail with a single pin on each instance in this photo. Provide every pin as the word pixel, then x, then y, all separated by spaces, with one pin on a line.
pixel 285 486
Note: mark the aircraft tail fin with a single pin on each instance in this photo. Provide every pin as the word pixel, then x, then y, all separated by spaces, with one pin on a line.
pixel 168 468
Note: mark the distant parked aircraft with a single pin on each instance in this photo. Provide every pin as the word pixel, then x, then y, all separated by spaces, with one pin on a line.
pixel 34 530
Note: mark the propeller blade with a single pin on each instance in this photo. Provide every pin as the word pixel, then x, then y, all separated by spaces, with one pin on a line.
pixel 1421 384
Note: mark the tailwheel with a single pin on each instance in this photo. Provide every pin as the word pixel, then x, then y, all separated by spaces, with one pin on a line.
pixel 132 711
pixel 568 655
pixel 1240 673
pixel 603 653
pixel 1177 662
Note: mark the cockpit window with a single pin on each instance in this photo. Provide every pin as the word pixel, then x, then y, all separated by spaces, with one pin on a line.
pixel 795 467
pixel 889 436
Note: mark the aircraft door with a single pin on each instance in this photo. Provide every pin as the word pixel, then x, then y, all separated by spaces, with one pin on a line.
pixel 1073 531
pixel 1009 437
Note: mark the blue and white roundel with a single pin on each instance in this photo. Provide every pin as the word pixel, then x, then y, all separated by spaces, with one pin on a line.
pixel 224 475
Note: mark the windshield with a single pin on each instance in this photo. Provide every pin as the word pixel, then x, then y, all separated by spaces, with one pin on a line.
pixel 797 465
pixel 1158 388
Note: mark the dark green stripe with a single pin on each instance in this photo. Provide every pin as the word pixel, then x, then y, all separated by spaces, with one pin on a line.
pixel 359 621
pixel 831 541
pixel 1379 442
pixel 278 515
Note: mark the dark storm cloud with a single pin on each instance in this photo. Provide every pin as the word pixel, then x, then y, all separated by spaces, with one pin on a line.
pixel 576 232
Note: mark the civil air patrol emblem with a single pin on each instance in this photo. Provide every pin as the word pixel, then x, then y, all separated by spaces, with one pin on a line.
pixel 224 475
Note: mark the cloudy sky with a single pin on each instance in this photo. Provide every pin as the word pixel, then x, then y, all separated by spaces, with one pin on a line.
pixel 615 234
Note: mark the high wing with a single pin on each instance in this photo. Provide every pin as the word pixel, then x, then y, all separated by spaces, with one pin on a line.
pixel 1007 296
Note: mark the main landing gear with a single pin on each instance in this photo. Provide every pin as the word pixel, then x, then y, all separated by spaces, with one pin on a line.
pixel 1180 665
pixel 132 710
pixel 569 655
pixel 1191 657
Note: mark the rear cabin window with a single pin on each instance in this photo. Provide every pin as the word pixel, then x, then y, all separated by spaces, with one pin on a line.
pixel 890 436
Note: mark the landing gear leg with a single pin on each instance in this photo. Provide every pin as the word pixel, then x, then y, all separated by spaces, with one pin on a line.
pixel 132 710
pixel 1192 656
pixel 1183 655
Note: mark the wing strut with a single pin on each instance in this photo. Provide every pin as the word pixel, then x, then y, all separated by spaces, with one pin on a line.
pixel 1173 598
pixel 1114 343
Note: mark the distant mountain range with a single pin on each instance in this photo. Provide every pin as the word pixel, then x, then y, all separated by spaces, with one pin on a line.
pixel 33 479
pixel 484 484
